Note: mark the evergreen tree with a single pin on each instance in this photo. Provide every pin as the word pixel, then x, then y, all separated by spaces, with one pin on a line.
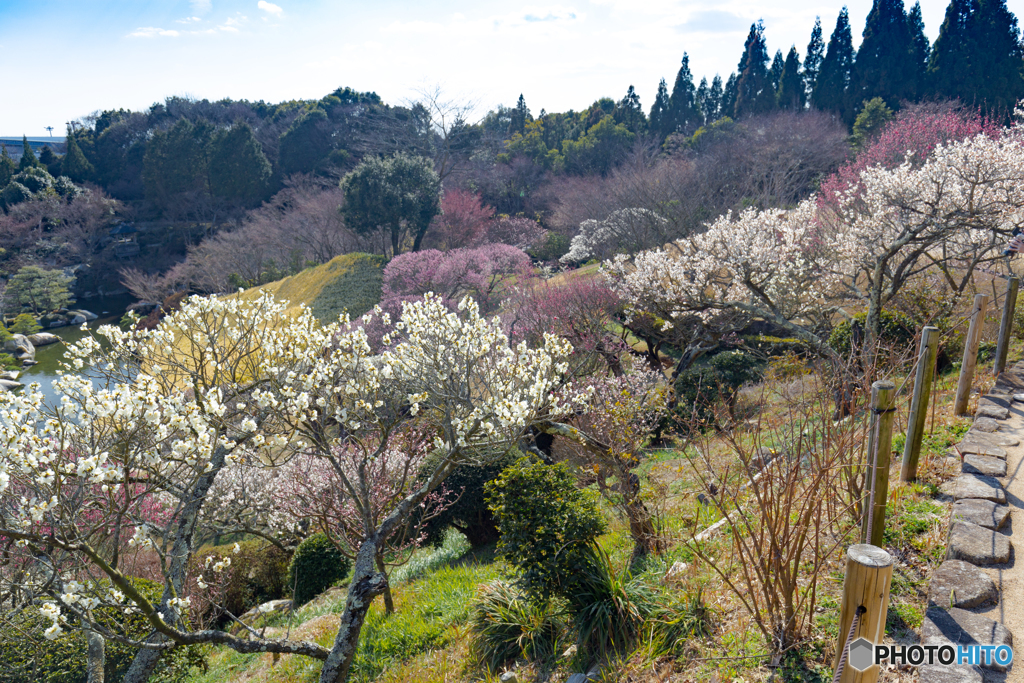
pixel 754 92
pixel 871 120
pixel 659 118
pixel 713 109
pixel 729 94
pixel 28 157
pixel 812 62
pixel 177 162
pixel 775 72
pixel 791 85
pixel 950 67
pixel 74 164
pixel 628 112
pixel 682 105
pixel 306 143
pixel 999 58
pixel 50 161
pixel 832 89
pixel 8 169
pixel 883 62
pixel 520 117
pixel 920 49
pixel 239 170
pixel 701 98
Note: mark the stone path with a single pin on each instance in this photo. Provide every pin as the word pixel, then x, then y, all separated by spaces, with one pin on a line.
pixel 977 594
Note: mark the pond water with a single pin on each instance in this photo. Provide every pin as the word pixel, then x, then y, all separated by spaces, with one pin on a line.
pixel 110 311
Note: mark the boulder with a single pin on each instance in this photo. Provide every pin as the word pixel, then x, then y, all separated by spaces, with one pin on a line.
pixel 10 384
pixel 508 677
pixel 58 323
pixel 676 572
pixel 981 512
pixel 78 319
pixel 20 347
pixel 983 464
pixel 43 338
pixel 975 486
pixel 9 374
pixel 959 584
pixel 960 627
pixel 88 315
pixel 26 363
pixel 976 544
pixel 985 424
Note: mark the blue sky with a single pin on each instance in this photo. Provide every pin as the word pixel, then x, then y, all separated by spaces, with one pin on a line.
pixel 63 60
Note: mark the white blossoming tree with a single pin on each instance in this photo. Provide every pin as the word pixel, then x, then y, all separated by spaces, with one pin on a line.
pixel 129 463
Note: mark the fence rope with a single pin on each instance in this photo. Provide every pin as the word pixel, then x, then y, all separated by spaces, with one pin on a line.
pixel 846 646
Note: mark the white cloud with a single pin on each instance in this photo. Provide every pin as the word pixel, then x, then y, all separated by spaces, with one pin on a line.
pixel 188 20
pixel 153 32
pixel 201 6
pixel 270 8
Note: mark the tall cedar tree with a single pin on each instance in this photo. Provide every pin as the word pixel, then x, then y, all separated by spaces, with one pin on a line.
pixel 7 168
pixel 306 143
pixel 729 94
pixel 682 103
pixel 239 171
pixel 791 85
pixel 659 118
pixel 713 105
pixel 520 117
pixel 832 90
pixel 28 157
pixel 754 92
pixel 177 162
pixel 74 164
pixel 999 59
pixel 629 113
pixel 812 62
pixel 920 49
pixel 950 69
pixel 884 66
pixel 775 72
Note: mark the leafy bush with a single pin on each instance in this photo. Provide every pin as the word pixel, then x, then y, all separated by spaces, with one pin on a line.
pixel 34 179
pixel 8 362
pixel 257 574
pixel 24 323
pixel 897 329
pixel 14 193
pixel 26 656
pixel 506 625
pixel 698 389
pixel 316 565
pixel 547 525
pixel 469 512
pixel 554 246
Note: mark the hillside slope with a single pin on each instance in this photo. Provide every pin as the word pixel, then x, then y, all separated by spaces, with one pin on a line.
pixel 349 282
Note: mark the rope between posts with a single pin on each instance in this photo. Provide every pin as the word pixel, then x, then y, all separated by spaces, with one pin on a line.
pixel 846 646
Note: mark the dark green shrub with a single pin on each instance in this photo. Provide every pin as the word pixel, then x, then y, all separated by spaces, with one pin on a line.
pixel 897 329
pixel 547 525
pixel 24 323
pixel 26 656
pixel 469 513
pixel 34 179
pixel 8 362
pixel 699 388
pixel 316 565
pixel 554 246
pixel 506 626
pixel 14 193
pixel 258 574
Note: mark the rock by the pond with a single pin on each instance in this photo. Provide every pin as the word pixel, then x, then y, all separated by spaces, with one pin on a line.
pixel 10 384
pixel 26 363
pixel 981 512
pixel 960 627
pixel 941 673
pixel 9 374
pixel 78 319
pixel 977 545
pixel 985 424
pixel 960 584
pixel 983 464
pixel 43 338
pixel 992 411
pixel 20 347
pixel 974 486
pixel 88 315
pixel 977 448
pixel 58 323
pixel 1000 440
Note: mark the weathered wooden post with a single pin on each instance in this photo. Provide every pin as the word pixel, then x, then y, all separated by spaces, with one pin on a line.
pixel 919 402
pixel 866 600
pixel 879 454
pixel 1006 325
pixel 963 387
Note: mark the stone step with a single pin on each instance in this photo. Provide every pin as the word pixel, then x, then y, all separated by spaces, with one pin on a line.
pixel 981 512
pixel 960 627
pixel 975 486
pixel 976 544
pixel 1000 440
pixel 977 448
pixel 984 464
pixel 990 410
pixel 960 584
pixel 985 424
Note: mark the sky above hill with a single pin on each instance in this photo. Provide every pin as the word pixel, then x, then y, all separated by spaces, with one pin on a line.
pixel 64 60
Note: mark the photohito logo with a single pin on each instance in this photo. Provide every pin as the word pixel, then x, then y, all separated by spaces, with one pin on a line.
pixel 864 653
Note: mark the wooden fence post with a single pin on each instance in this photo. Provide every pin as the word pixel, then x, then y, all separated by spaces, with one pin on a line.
pixel 868 578
pixel 1006 325
pixel 963 387
pixel 879 454
pixel 919 402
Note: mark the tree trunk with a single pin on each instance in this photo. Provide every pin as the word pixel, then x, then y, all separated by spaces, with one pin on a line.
pixel 145 660
pixel 389 604
pixel 95 656
pixel 366 585
pixel 646 539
